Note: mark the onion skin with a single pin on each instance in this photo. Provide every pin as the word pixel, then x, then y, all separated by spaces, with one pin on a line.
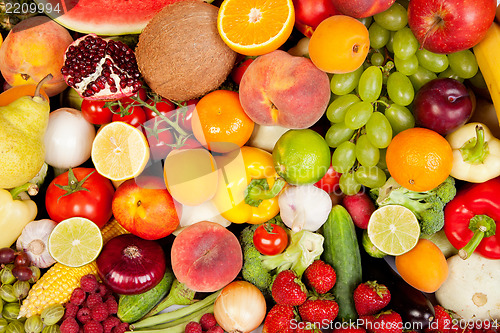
pixel 130 265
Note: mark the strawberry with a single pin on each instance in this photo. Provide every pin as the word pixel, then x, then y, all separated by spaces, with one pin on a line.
pixel 279 319
pixel 306 327
pixel 287 289
pixel 384 322
pixel 320 276
pixel 442 322
pixel 349 329
pixel 319 311
pixel 370 297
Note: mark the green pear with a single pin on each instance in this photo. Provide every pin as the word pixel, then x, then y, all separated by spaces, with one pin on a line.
pixel 22 127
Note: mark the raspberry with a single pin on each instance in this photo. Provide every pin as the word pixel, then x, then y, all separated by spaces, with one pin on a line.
pixel 207 321
pixel 109 323
pixel 193 327
pixel 121 328
pixel 103 290
pixel 69 325
pixel 93 300
pixel 70 310
pixel 83 315
pixel 77 296
pixel 112 305
pixel 215 329
pixel 99 312
pixel 89 283
pixel 92 327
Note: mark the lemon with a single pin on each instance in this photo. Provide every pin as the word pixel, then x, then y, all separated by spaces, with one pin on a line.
pixel 75 242
pixel 301 156
pixel 120 151
pixel 393 229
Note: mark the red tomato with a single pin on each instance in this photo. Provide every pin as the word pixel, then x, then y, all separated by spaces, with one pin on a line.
pixel 270 239
pixel 239 69
pixel 165 107
pixel 159 137
pixel 186 113
pixel 95 112
pixel 330 181
pixel 136 118
pixel 71 194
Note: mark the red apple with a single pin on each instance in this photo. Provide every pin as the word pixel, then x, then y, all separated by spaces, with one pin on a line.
pixel 362 8
pixel 145 208
pixel 310 13
pixel 442 105
pixel 447 26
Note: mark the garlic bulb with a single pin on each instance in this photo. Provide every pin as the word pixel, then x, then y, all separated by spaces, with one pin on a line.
pixel 34 241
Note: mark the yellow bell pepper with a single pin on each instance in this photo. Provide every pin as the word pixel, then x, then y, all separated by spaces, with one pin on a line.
pixel 15 213
pixel 248 186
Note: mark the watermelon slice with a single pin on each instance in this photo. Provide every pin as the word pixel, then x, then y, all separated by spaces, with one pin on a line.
pixel 103 17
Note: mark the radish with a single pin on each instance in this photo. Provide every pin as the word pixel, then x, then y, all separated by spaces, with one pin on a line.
pixel 360 206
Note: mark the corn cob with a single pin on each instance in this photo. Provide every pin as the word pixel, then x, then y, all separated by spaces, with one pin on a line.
pixel 57 284
pixel 487 53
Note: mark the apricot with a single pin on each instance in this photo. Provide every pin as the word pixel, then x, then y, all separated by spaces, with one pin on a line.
pixel 34 48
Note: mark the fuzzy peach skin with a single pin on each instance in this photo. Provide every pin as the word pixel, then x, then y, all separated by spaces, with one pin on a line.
pixel 280 89
pixel 34 48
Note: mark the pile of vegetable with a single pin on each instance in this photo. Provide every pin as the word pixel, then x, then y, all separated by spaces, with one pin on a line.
pixel 270 235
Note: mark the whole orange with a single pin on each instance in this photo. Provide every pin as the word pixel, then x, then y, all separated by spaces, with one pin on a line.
pixel 339 44
pixel 220 123
pixel 419 159
pixel 424 267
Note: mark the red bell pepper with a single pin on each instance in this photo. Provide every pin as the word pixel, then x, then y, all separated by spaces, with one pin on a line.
pixel 471 219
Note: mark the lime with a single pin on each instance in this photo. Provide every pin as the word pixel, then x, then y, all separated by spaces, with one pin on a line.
pixel 393 229
pixel 371 249
pixel 301 156
pixel 75 242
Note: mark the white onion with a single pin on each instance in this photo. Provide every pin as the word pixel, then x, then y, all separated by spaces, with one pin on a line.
pixel 68 139
pixel 304 207
pixel 240 307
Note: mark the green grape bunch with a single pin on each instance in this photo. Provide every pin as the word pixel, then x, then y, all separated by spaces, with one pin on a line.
pixel 373 103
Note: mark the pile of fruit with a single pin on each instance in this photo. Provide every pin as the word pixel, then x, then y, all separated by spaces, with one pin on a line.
pixel 275 166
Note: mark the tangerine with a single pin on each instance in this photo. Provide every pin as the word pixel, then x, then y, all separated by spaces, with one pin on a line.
pixel 424 267
pixel 220 123
pixel 339 44
pixel 419 159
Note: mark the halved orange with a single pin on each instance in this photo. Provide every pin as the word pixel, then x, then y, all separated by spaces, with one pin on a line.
pixel 255 27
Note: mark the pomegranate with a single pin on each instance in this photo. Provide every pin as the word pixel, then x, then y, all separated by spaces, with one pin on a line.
pixel 100 69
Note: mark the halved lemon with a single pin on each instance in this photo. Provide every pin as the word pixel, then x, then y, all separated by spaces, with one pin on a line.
pixel 393 229
pixel 120 151
pixel 255 27
pixel 75 242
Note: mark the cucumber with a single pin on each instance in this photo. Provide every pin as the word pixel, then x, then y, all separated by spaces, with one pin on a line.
pixel 133 307
pixel 341 251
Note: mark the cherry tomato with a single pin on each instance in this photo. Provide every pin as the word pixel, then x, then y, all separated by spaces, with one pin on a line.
pixel 239 69
pixel 270 239
pixel 165 107
pixel 141 94
pixel 95 112
pixel 159 137
pixel 330 181
pixel 136 118
pixel 186 113
pixel 80 192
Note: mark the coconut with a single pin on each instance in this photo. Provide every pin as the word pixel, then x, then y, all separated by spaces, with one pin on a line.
pixel 180 53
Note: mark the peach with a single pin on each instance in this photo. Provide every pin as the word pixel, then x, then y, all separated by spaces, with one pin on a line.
pixel 34 48
pixel 206 257
pixel 280 89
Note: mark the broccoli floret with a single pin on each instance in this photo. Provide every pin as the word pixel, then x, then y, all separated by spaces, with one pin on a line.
pixel 427 205
pixel 258 269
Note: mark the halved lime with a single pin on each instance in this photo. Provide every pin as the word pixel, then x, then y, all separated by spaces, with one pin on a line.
pixel 75 242
pixel 393 229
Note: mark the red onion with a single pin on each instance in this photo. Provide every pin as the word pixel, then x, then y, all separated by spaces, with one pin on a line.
pixel 131 265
